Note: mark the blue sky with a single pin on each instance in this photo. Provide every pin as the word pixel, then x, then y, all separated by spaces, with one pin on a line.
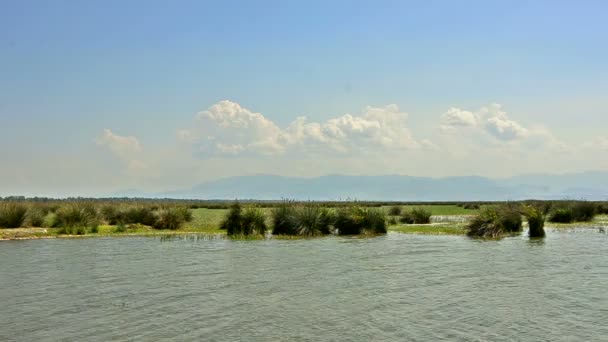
pixel 143 70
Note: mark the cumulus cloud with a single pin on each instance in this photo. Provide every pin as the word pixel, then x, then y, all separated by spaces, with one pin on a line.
pixel 126 148
pixel 492 120
pixel 226 128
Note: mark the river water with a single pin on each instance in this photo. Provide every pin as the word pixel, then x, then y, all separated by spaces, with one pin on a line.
pixel 392 288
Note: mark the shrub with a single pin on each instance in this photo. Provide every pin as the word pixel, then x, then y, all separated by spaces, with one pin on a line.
pixel 169 218
pixel 394 210
pixel 392 221
pixel 416 216
pixel 139 214
pixel 471 206
pixel 561 215
pixel 494 222
pixel 186 213
pixel 77 218
pixel 12 214
pixel 536 221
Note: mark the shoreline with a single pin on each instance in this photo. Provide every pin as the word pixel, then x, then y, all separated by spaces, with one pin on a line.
pixel 438 229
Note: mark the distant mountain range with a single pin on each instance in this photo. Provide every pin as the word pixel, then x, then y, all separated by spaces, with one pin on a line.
pixel 585 185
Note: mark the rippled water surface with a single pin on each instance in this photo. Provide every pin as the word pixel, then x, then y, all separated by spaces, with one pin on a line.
pixel 398 287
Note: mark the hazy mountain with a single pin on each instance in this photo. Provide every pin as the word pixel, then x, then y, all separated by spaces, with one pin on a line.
pixel 588 185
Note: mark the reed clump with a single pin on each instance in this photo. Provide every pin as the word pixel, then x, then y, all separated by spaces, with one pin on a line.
pixel 416 215
pixel 576 211
pixel 77 219
pixel 169 218
pixel 355 220
pixel 495 222
pixel 239 222
pixel 302 219
pixel 536 221
pixel 12 214
pixel 395 210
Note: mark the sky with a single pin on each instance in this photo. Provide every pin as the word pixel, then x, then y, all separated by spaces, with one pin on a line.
pixel 103 96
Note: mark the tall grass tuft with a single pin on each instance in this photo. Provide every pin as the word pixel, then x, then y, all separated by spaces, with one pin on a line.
pixel 495 222
pixel 111 214
pixel 394 210
pixel 583 211
pixel 578 211
pixel 36 216
pixel 561 215
pixel 169 218
pixel 77 218
pixel 250 221
pixel 510 217
pixel 416 215
pixel 139 214
pixel 355 220
pixel 253 222
pixel 284 220
pixel 536 221
pixel 12 214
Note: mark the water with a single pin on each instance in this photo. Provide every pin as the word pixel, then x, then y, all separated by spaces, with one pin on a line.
pixel 398 287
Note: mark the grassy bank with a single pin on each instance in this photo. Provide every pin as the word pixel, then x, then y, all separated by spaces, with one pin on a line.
pixel 206 221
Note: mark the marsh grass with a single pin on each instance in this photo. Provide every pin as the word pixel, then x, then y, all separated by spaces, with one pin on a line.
pixel 169 218
pixel 536 221
pixel 77 218
pixel 307 219
pixel 356 220
pixel 141 214
pixel 495 222
pixel 36 216
pixel 395 210
pixel 576 211
pixel 416 215
pixel 12 214
pixel 239 222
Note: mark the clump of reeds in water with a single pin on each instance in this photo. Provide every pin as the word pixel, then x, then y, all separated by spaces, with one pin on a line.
pixel 416 215
pixel 12 214
pixel 77 218
pixel 307 219
pixel 355 220
pixel 247 222
pixel 576 211
pixel 495 222
pixel 536 221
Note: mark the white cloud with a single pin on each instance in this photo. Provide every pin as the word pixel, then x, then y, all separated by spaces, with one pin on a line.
pixel 125 148
pixel 491 120
pixel 598 143
pixel 226 128
pixel 456 117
